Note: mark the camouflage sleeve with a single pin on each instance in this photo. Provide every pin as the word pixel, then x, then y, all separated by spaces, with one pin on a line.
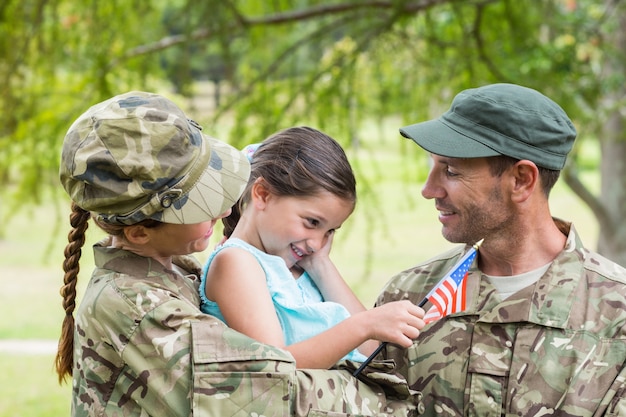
pixel 183 363
pixel 233 374
pixel 157 373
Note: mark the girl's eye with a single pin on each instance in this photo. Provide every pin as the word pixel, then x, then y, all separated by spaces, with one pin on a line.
pixel 313 222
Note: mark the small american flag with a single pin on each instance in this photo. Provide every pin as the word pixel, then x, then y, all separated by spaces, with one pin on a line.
pixel 441 296
pixel 448 296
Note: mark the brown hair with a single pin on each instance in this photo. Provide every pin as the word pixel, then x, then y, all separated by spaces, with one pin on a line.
pixel 79 220
pixel 298 162
pixel 499 164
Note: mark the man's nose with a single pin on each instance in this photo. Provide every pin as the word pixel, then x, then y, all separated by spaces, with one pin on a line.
pixel 431 188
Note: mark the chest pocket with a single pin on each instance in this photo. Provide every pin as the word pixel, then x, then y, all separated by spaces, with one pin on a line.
pixel 544 370
pixel 490 357
pixel 576 372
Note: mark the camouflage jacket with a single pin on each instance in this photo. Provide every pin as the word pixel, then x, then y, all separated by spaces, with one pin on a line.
pixel 557 347
pixel 143 348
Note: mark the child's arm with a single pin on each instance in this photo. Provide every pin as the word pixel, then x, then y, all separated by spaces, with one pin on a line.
pixel 237 283
pixel 328 279
pixel 396 322
pixel 331 284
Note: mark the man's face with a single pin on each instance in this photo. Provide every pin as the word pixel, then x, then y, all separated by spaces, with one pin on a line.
pixel 472 203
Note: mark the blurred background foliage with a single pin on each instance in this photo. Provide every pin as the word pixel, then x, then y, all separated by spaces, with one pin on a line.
pixel 247 69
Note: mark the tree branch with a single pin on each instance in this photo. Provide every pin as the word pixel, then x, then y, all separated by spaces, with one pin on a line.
pixel 480 45
pixel 410 7
pixel 594 203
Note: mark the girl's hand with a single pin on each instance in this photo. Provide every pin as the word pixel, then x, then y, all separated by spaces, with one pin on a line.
pixel 317 261
pixel 398 322
pixel 329 281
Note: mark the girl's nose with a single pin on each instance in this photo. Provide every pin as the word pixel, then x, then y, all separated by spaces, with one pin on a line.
pixel 314 244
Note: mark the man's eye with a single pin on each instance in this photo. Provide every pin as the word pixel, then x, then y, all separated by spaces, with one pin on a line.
pixel 450 173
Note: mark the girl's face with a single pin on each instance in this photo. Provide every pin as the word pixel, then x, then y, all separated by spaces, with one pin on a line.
pixel 294 227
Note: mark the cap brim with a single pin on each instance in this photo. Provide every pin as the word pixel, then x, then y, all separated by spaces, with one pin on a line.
pixel 218 188
pixel 439 138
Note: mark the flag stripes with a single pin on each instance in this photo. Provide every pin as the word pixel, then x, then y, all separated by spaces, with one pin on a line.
pixel 449 295
pixel 446 301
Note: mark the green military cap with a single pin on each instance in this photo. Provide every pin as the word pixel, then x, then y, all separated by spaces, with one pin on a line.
pixel 137 156
pixel 499 119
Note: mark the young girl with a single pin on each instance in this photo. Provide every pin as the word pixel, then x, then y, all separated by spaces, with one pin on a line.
pixel 301 190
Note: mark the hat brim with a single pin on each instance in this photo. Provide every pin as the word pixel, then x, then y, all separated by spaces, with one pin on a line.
pixel 439 138
pixel 217 189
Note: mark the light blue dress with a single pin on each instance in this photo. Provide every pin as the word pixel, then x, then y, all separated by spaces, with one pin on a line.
pixel 300 307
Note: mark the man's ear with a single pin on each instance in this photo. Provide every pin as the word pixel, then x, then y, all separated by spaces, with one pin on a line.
pixel 260 193
pixel 526 180
pixel 136 234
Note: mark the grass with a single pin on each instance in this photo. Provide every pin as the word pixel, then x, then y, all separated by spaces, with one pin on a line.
pixel 29 387
pixel 392 229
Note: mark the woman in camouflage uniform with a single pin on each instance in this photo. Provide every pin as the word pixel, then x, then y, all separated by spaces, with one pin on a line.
pixel 138 344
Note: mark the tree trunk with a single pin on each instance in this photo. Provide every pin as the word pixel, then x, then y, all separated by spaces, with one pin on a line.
pixel 612 237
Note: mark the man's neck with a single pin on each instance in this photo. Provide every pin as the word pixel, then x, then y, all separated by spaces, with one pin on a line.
pixel 536 244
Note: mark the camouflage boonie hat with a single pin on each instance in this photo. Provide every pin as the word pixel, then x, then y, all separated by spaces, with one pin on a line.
pixel 137 156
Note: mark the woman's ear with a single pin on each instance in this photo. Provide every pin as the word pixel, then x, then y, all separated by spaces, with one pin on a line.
pixel 260 193
pixel 526 180
pixel 136 234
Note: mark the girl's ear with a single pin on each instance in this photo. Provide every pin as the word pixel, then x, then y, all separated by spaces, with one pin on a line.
pixel 136 234
pixel 260 193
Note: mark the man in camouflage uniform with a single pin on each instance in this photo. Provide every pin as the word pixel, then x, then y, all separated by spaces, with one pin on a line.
pixel 141 346
pixel 544 329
